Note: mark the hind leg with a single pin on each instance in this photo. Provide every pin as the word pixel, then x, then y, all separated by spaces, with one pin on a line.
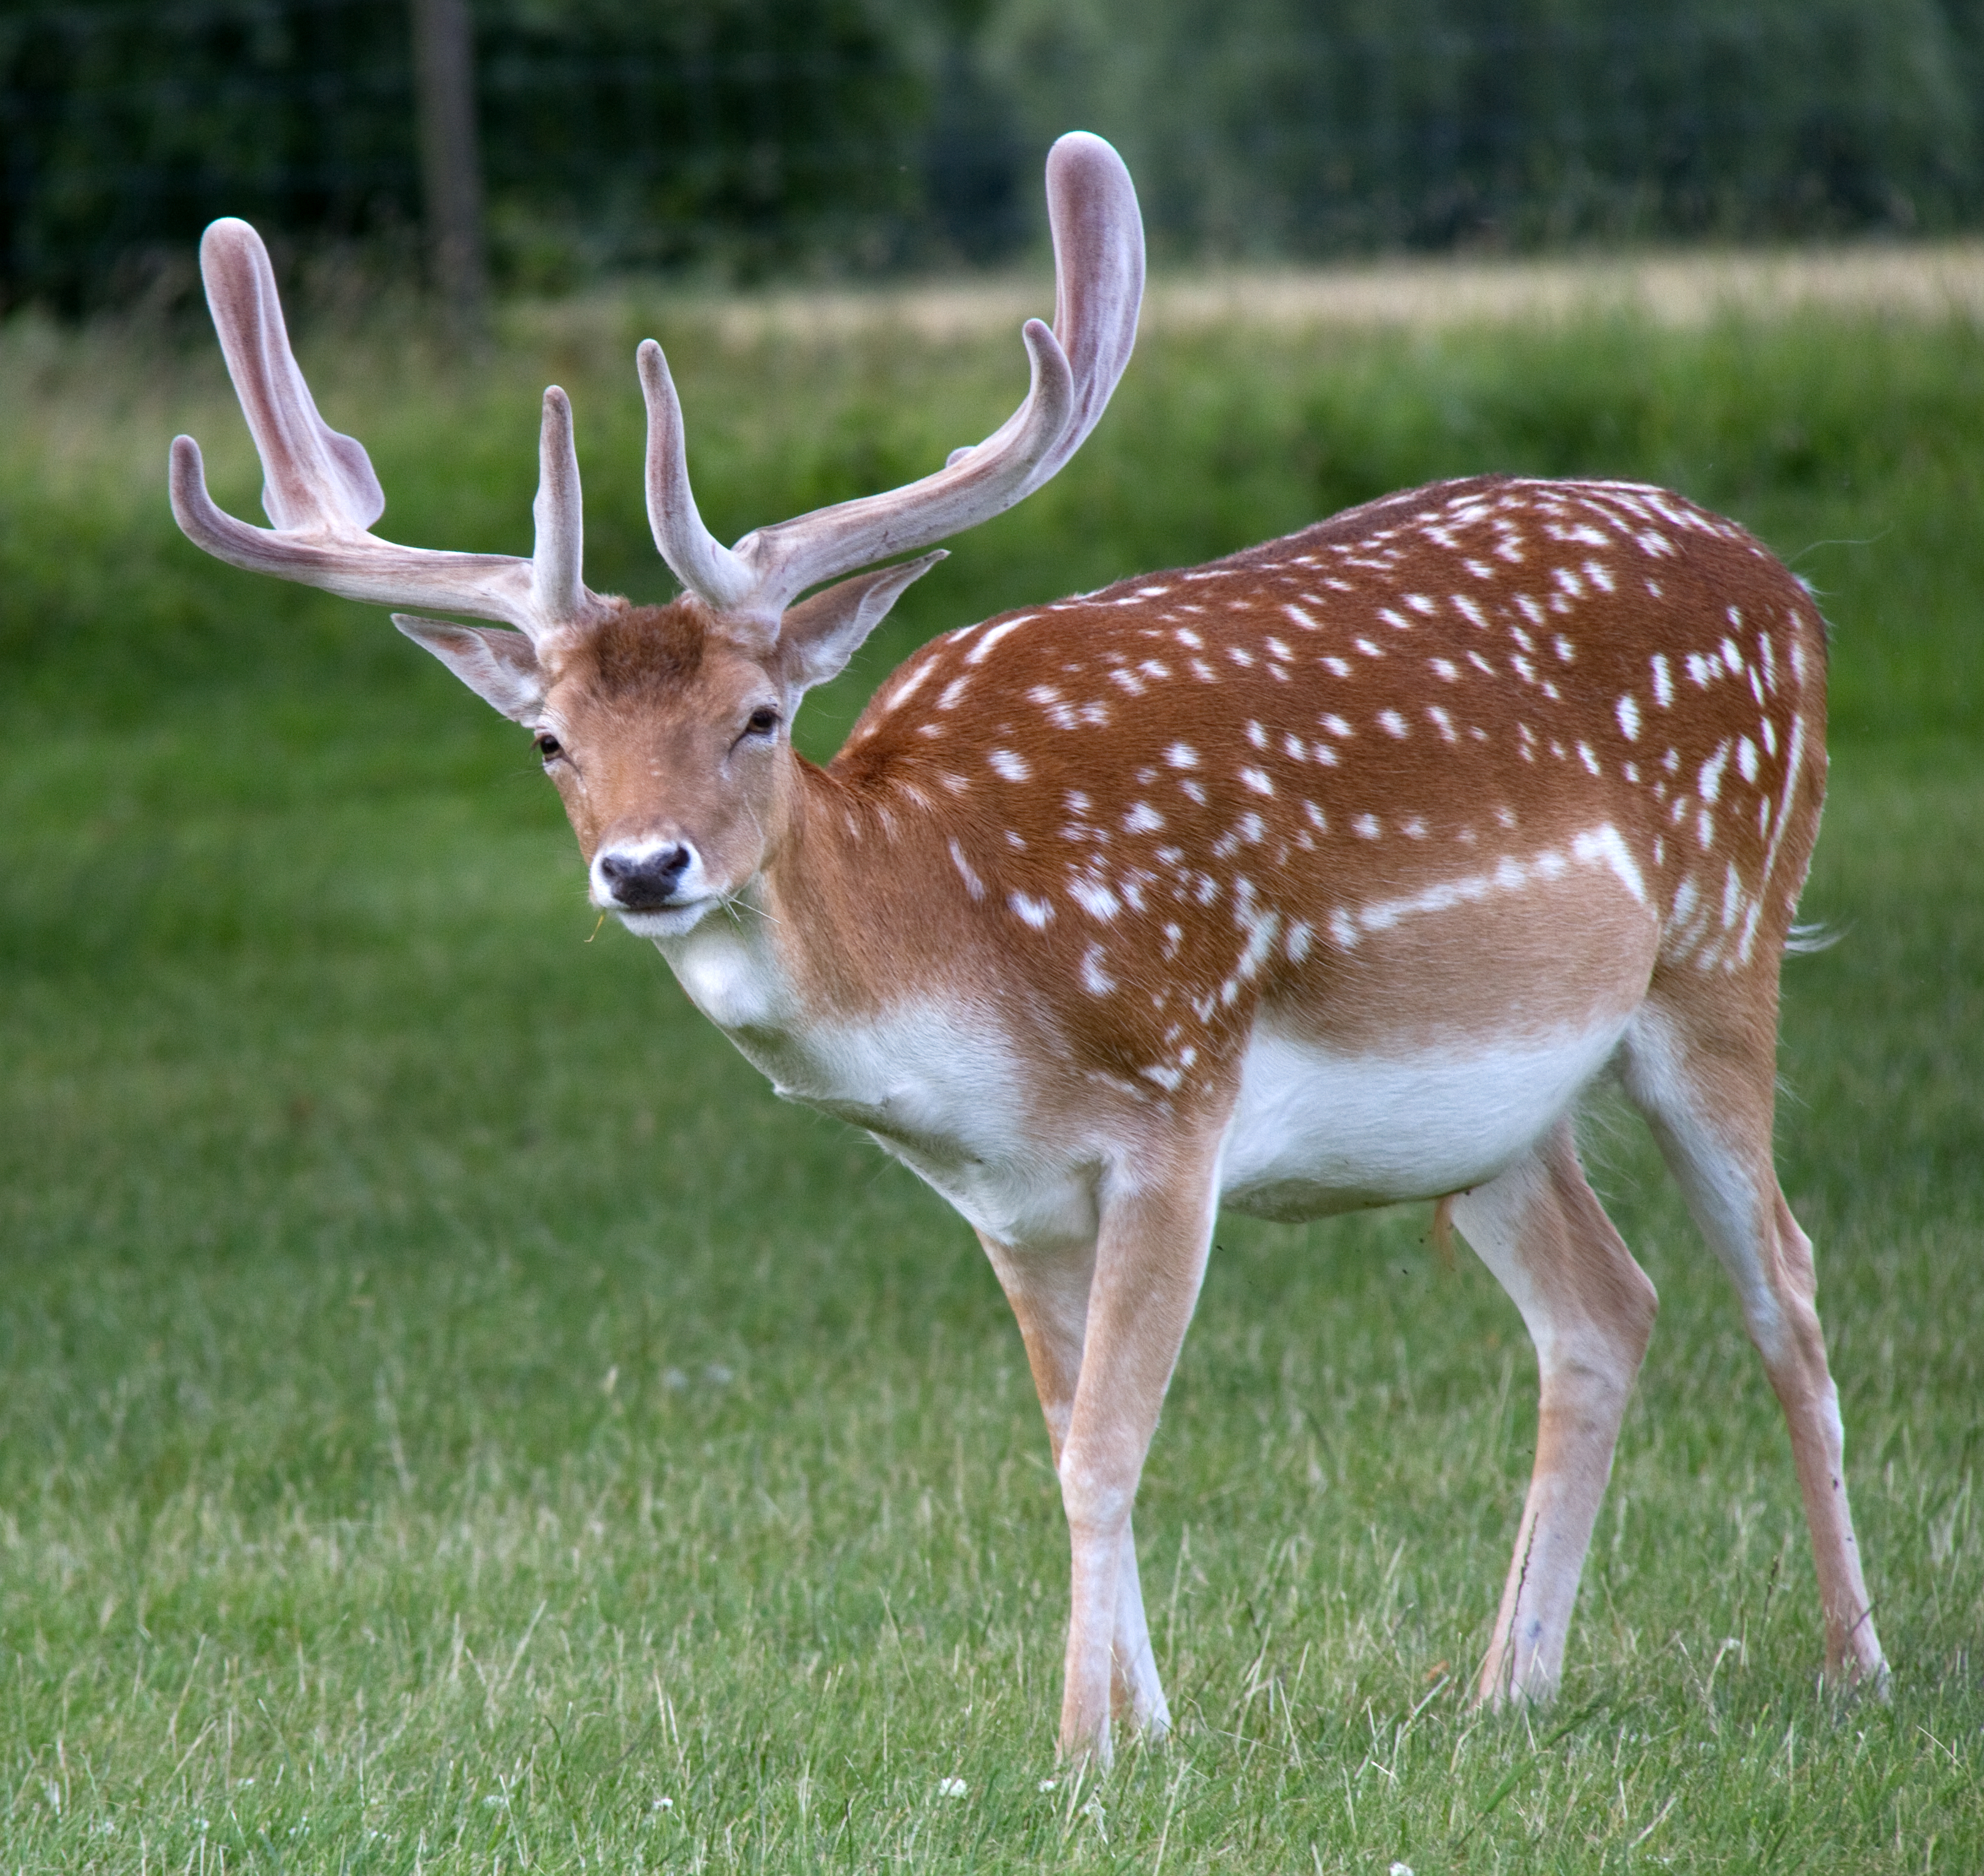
pixel 1705 1078
pixel 1590 1310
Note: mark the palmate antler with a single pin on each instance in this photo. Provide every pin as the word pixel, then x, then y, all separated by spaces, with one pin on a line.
pixel 1098 239
pixel 320 492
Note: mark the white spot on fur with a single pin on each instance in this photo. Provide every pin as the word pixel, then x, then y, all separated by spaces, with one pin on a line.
pixel 1710 784
pixel 1093 979
pixel 1095 898
pixel 907 688
pixel 977 655
pixel 973 884
pixel 1604 846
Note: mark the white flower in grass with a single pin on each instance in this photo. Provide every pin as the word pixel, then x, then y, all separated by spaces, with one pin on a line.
pixel 1048 1784
pixel 952 1787
pixel 664 1803
pixel 1399 1869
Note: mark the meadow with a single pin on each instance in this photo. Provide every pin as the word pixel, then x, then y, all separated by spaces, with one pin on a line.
pixel 454 1418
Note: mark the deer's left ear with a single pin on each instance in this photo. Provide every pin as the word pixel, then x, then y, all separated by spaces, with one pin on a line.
pixel 819 636
pixel 501 667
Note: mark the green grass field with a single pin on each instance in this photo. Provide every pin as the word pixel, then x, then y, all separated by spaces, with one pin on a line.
pixel 455 1419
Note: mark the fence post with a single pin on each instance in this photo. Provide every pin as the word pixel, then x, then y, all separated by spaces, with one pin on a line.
pixel 450 165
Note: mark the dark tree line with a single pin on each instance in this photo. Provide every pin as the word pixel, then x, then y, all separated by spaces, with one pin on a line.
pixel 741 137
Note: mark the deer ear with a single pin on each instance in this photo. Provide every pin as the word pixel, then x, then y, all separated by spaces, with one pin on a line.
pixel 819 636
pixel 501 667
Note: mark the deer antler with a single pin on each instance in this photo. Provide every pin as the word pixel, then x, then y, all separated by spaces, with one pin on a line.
pixel 1099 274
pixel 321 493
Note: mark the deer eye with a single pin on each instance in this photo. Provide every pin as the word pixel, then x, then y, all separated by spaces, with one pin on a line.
pixel 763 720
pixel 548 745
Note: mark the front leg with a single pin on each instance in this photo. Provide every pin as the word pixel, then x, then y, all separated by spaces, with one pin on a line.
pixel 1117 1338
pixel 1048 1291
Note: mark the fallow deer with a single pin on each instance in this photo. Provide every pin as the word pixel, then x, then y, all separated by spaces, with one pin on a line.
pixel 1330 875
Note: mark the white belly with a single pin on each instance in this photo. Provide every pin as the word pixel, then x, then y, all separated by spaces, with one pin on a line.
pixel 1314 1133
pixel 947 1092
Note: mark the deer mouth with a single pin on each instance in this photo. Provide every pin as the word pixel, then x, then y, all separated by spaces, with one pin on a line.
pixel 673 919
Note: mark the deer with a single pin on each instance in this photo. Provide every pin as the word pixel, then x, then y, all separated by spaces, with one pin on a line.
pixel 1333 874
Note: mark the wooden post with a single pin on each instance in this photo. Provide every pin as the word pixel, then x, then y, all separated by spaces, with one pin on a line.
pixel 450 164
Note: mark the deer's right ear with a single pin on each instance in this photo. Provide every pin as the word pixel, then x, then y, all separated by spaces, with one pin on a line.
pixel 500 666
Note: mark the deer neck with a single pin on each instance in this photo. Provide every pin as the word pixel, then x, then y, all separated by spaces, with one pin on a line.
pixel 830 933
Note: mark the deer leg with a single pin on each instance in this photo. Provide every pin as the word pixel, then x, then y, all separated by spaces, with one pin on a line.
pixel 1144 1271
pixel 1048 1291
pixel 1726 1170
pixel 1589 1308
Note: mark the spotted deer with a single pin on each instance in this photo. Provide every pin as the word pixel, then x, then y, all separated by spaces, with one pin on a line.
pixel 1330 875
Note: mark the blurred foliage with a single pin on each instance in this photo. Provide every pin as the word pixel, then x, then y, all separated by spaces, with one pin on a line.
pixel 742 134
pixel 738 137
pixel 1287 127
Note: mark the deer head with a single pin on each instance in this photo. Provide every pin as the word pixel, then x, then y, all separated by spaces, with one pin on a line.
pixel 665 728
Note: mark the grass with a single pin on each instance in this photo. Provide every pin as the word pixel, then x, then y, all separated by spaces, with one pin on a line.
pixel 456 1419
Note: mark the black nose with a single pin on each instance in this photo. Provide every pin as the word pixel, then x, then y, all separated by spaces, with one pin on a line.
pixel 645 882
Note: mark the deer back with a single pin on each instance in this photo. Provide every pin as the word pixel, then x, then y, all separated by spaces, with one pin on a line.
pixel 1477 758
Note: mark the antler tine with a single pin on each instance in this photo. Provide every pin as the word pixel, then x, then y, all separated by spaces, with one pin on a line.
pixel 559 596
pixel 696 557
pixel 320 491
pixel 314 477
pixel 1098 239
pixel 1099 267
pixel 791 556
